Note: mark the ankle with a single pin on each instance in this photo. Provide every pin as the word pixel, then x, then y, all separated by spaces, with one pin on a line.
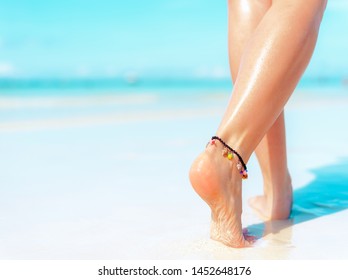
pixel 231 154
pixel 276 182
pixel 238 141
pixel 278 192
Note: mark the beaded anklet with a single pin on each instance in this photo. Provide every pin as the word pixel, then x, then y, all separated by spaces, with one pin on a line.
pixel 229 153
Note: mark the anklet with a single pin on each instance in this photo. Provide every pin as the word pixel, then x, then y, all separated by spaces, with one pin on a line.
pixel 228 152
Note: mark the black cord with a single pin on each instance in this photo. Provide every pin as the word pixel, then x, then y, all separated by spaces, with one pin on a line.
pixel 234 151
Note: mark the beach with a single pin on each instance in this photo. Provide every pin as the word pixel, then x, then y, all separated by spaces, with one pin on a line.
pixel 105 176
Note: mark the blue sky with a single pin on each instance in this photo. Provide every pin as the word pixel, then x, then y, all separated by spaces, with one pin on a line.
pixel 110 38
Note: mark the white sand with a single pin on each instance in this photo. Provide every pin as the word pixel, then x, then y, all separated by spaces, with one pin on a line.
pixel 88 179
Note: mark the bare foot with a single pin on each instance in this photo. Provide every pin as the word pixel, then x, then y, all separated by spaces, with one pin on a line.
pixel 275 204
pixel 218 182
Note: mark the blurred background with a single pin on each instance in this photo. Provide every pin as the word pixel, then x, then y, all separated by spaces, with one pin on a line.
pixel 122 44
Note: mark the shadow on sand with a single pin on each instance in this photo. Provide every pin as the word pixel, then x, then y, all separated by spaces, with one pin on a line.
pixel 327 194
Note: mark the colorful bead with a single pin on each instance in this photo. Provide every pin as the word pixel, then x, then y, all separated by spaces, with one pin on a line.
pixel 229 153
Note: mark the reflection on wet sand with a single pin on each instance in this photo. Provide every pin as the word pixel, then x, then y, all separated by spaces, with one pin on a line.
pixel 327 194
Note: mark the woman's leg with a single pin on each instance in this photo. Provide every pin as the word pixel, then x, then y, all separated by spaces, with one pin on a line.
pixel 271 65
pixel 243 18
pixel 276 202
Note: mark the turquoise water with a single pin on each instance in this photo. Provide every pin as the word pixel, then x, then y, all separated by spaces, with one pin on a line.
pixel 172 65
pixel 92 86
pixel 42 87
pixel 326 194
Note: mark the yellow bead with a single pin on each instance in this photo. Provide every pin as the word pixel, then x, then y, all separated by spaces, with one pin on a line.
pixel 230 156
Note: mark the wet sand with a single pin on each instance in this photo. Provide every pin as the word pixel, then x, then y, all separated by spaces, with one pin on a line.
pixel 106 177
